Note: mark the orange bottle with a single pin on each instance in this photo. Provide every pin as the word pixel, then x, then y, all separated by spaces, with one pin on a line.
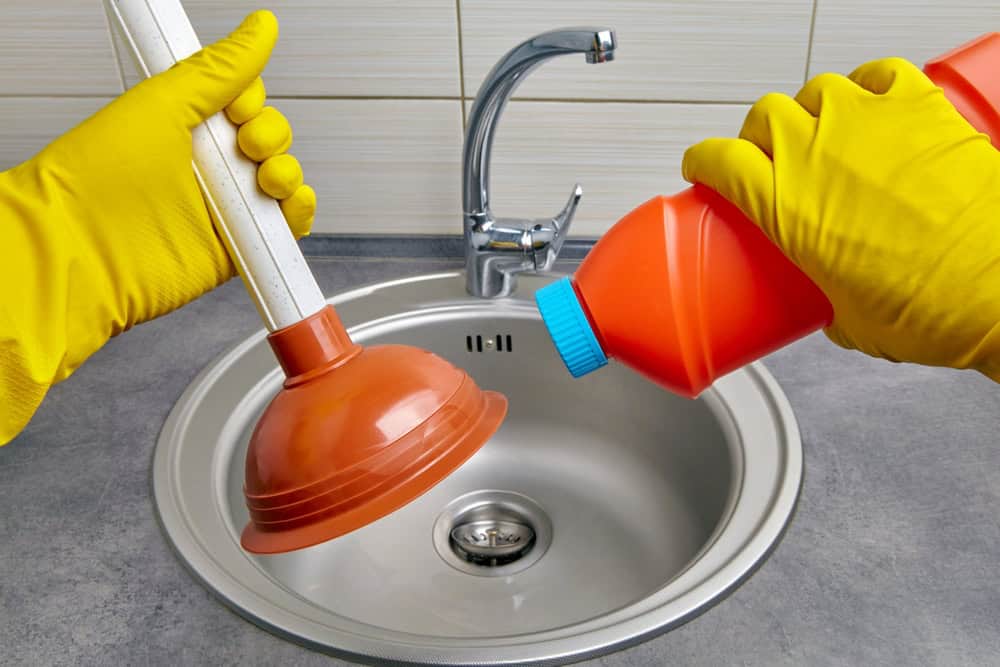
pixel 685 288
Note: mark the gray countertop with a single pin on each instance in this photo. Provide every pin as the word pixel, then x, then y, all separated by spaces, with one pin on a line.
pixel 890 559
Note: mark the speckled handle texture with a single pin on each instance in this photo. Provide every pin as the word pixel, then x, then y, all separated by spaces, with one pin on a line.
pixel 261 246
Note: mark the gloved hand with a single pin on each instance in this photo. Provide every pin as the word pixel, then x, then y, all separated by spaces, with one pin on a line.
pixel 879 190
pixel 106 227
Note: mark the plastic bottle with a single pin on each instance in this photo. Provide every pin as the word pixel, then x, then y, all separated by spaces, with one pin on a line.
pixel 685 288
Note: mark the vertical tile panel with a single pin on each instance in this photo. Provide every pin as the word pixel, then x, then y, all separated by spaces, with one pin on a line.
pixel 349 47
pixel 384 166
pixel 381 166
pixel 55 47
pixel 622 154
pixel 669 49
pixel 851 32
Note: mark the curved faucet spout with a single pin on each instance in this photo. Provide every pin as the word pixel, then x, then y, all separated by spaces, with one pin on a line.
pixel 597 43
pixel 538 242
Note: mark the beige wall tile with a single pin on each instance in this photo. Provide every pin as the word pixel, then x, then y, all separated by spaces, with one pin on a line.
pixel 56 47
pixel 669 49
pixel 381 166
pixel 349 47
pixel 851 32
pixel 28 124
pixel 622 154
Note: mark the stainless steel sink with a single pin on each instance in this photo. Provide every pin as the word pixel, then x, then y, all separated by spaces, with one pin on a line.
pixel 604 511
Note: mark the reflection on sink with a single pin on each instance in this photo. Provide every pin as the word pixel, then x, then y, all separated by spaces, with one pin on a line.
pixel 641 507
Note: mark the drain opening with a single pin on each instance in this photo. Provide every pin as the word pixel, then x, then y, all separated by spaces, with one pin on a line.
pixel 492 543
pixel 492 533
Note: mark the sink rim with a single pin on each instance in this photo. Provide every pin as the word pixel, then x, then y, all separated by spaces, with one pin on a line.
pixel 654 614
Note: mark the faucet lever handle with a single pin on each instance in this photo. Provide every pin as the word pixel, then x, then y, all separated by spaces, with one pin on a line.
pixel 547 251
pixel 564 218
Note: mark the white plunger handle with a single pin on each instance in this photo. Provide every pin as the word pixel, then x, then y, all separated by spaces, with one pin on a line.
pixel 251 223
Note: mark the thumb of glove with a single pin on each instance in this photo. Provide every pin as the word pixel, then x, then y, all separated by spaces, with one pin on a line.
pixel 206 82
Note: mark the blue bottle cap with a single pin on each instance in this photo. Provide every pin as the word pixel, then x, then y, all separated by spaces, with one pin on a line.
pixel 569 328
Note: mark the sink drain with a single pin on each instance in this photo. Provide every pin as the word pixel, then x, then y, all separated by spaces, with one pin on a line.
pixel 492 543
pixel 492 533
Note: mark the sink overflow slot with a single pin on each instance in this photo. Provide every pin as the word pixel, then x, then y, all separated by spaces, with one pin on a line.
pixel 501 343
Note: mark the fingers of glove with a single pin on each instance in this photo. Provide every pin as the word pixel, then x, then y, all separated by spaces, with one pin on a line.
pixel 838 337
pixel 823 88
pixel 266 135
pixel 264 139
pixel 891 75
pixel 300 210
pixel 249 104
pixel 739 171
pixel 776 115
pixel 280 176
pixel 215 76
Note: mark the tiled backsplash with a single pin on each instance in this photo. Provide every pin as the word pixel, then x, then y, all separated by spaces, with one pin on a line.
pixel 375 89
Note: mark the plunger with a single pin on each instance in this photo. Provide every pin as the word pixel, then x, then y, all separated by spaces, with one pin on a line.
pixel 354 433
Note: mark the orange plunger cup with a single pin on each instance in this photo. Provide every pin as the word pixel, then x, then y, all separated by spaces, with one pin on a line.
pixel 354 434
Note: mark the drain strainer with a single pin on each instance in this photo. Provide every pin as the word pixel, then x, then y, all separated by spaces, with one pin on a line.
pixel 492 533
pixel 492 543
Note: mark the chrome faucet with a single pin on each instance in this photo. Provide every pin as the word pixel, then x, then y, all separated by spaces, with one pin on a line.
pixel 497 249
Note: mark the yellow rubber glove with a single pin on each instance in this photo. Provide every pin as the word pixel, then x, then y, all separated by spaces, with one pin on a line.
pixel 879 190
pixel 106 227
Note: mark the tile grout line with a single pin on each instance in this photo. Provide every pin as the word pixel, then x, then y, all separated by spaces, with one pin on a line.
pixel 431 98
pixel 461 62
pixel 402 98
pixel 627 100
pixel 809 47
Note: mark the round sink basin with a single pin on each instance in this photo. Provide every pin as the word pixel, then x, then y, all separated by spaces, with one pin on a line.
pixel 604 511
